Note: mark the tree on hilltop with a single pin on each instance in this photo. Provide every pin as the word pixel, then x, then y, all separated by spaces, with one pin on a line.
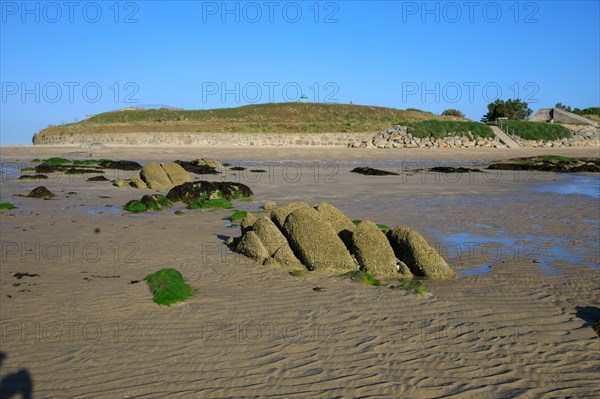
pixel 511 109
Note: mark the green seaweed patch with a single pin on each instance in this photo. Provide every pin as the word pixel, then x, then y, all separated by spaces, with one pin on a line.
pixel 27 169
pixel 237 215
pixel 36 160
pixel 361 276
pixel 154 202
pixel 205 202
pixel 136 207
pixel 168 287
pixel 179 212
pixel 162 200
pixel 56 161
pixel 7 205
pixel 556 158
pixel 418 287
pixel 382 227
pixel 246 199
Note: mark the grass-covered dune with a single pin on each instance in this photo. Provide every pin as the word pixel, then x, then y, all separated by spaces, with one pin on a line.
pixel 267 118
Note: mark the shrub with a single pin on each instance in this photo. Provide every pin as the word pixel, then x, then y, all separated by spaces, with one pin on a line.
pixel 453 112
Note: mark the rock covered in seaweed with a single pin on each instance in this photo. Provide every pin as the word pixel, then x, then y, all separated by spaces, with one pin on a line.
pixel 190 192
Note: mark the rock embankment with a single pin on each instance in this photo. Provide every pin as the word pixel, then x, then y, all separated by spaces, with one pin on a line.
pixel 398 137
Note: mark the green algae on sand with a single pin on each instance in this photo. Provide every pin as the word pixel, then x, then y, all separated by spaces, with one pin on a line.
pixel 168 287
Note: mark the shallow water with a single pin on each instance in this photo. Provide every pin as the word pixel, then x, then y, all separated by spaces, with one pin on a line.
pixel 574 184
pixel 469 248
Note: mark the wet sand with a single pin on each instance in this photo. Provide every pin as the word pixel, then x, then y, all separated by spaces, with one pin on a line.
pixel 513 325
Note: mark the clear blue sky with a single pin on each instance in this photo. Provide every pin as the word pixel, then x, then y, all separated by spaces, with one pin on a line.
pixel 61 60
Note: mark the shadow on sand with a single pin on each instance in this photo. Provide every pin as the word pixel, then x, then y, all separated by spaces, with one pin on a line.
pixel 19 384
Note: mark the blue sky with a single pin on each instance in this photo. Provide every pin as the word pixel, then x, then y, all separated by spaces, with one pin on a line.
pixel 63 60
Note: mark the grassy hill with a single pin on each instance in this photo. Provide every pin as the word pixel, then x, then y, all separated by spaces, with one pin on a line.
pixel 267 118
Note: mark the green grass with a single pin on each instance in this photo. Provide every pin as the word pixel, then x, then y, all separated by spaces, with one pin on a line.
pixel 168 287
pixel 441 129
pixel 27 169
pixel 237 215
pixel 535 130
pixel 290 117
pixel 204 202
pixel 361 276
pixel 7 205
pixel 418 287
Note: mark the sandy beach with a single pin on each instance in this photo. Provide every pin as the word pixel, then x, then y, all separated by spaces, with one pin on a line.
pixel 516 323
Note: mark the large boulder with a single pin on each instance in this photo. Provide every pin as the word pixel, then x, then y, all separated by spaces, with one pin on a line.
pixel 341 223
pixel 211 163
pixel 269 234
pixel 189 192
pixel 247 222
pixel 285 257
pixel 280 214
pixel 422 259
pixel 373 251
pixel 155 176
pixel 136 182
pixel 315 242
pixel 41 192
pixel 275 243
pixel 177 175
pixel 251 246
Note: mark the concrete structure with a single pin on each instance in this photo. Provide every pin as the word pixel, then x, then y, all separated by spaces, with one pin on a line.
pixel 561 116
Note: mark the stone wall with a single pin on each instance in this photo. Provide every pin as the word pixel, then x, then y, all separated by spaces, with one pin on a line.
pixel 193 138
